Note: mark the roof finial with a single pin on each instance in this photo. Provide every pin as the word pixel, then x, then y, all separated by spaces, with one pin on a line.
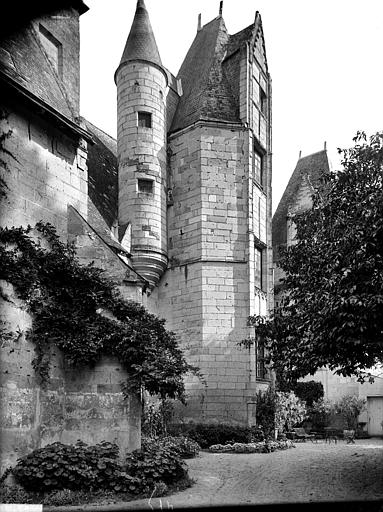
pixel 300 154
pixel 141 3
pixel 220 7
pixel 199 22
pixel 325 145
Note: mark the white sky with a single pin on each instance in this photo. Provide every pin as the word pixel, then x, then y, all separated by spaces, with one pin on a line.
pixel 324 56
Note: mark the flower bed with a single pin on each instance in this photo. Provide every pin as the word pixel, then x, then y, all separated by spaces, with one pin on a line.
pixel 261 447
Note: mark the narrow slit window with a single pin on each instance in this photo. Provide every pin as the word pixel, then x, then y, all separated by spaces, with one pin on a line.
pixel 145 186
pixel 144 119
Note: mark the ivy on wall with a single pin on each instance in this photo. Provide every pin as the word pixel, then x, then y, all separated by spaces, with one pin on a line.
pixel 79 310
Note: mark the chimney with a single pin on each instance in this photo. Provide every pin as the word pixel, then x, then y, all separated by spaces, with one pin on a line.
pixel 220 7
pixel 199 23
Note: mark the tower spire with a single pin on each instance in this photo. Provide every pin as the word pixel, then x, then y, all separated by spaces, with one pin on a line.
pixel 141 43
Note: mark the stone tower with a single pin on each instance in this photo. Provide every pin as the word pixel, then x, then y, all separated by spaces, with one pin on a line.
pixel 141 147
pixel 195 201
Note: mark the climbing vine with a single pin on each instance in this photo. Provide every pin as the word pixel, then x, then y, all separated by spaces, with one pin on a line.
pixel 79 310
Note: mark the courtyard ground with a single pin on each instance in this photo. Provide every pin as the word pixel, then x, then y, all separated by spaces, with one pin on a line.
pixel 310 472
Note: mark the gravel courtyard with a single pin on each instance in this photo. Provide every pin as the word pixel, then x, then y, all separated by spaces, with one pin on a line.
pixel 308 472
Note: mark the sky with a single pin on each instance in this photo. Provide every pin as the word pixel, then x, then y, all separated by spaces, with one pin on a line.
pixel 324 57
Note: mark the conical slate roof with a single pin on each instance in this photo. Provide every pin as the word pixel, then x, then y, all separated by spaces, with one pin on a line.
pixel 141 44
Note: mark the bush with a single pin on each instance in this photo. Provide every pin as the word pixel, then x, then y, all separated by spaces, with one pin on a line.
pixel 289 410
pixel 59 466
pixel 156 417
pixel 349 407
pixel 153 463
pixel 265 411
pixel 185 447
pixel 309 392
pixel 320 413
pixel 206 435
pixel 260 447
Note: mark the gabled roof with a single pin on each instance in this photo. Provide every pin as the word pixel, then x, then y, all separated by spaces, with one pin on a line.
pixel 206 90
pixel 141 43
pixel 24 62
pixel 312 167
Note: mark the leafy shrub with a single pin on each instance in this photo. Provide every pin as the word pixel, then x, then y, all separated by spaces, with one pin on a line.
pixel 60 466
pixel 320 413
pixel 154 463
pixel 16 494
pixel 185 447
pixel 261 447
pixel 289 410
pixel 349 407
pixel 206 435
pixel 309 392
pixel 156 417
pixel 265 411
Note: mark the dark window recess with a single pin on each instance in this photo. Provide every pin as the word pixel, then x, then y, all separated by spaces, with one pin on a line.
pixel 259 164
pixel 145 186
pixel 263 101
pixel 262 371
pixel 53 49
pixel 259 275
pixel 145 119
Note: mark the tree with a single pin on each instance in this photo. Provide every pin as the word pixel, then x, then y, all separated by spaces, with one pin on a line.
pixel 332 312
pixel 350 407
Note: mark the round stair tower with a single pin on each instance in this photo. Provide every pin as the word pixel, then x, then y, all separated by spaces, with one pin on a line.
pixel 141 147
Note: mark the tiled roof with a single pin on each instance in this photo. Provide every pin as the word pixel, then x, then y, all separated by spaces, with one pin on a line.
pixel 206 90
pixel 24 62
pixel 141 43
pixel 103 174
pixel 311 166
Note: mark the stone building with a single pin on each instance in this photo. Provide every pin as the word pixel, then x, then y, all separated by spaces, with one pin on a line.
pixel 177 211
pixel 297 198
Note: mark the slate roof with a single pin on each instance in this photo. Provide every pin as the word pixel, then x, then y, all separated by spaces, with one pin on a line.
pixel 141 43
pixel 312 166
pixel 24 62
pixel 210 85
pixel 103 175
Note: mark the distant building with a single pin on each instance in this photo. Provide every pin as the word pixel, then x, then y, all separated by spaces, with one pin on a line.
pixel 297 198
pixel 177 211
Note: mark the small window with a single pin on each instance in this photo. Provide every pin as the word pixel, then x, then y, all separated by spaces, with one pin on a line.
pixel 263 101
pixel 145 186
pixel 259 164
pixel 259 269
pixel 53 49
pixel 262 370
pixel 144 119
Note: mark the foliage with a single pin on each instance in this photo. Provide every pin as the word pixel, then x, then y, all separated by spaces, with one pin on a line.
pixel 320 413
pixel 185 447
pixel 155 417
pixel 17 494
pixel 265 411
pixel 289 410
pixel 260 447
pixel 309 392
pixel 350 407
pixel 208 434
pixel 82 312
pixel 332 312
pixel 60 466
pixel 155 462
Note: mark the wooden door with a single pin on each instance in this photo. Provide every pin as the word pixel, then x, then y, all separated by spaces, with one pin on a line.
pixel 375 415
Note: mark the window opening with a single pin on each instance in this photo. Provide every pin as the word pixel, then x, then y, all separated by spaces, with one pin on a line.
pixel 145 186
pixel 53 49
pixel 144 119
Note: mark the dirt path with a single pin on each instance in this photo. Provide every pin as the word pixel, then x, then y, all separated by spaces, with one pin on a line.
pixel 308 472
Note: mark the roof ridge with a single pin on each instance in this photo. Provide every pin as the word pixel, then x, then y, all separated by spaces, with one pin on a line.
pixel 98 128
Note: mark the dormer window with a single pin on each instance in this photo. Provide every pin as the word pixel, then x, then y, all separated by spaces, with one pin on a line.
pixel 53 49
pixel 144 119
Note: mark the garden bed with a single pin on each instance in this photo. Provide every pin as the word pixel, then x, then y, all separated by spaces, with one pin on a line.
pixel 260 447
